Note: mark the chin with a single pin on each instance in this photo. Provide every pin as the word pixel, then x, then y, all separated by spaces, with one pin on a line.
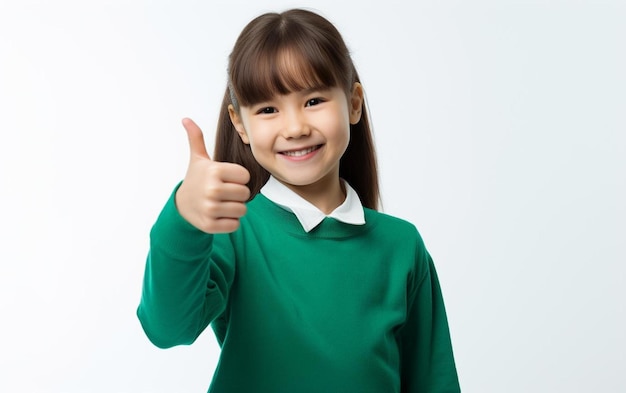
pixel 298 181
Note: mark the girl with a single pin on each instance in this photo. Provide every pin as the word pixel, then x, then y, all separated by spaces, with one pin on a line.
pixel 277 243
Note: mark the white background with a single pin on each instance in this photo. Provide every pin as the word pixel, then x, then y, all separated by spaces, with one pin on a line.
pixel 500 128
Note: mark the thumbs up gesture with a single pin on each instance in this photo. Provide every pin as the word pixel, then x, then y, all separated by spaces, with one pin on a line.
pixel 213 194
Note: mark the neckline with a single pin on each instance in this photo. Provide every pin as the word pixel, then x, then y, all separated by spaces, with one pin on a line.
pixel 329 228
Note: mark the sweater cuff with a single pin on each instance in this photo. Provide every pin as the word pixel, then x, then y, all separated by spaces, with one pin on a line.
pixel 175 236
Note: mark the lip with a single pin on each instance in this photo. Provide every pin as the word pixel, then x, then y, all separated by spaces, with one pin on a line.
pixel 301 153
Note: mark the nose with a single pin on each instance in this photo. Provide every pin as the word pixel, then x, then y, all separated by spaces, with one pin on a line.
pixel 295 125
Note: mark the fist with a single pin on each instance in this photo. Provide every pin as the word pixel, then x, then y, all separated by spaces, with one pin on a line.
pixel 213 194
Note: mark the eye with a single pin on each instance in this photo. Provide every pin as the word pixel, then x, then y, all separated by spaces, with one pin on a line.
pixel 314 101
pixel 266 110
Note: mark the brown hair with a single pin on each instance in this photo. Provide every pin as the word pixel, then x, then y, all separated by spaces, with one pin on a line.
pixel 255 74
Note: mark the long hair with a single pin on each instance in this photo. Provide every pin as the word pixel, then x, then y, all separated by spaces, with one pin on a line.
pixel 256 73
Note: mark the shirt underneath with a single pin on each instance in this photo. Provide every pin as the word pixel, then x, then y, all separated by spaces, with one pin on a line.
pixel 309 216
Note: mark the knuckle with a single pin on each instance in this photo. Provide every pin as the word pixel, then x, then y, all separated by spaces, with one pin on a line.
pixel 216 170
pixel 211 210
pixel 212 192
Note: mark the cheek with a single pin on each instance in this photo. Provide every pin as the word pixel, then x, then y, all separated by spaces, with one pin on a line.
pixel 260 143
pixel 340 126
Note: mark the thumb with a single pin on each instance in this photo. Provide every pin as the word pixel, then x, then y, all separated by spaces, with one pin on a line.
pixel 197 147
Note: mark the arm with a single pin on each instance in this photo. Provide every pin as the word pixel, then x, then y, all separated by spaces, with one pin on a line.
pixel 427 358
pixel 184 289
pixel 186 282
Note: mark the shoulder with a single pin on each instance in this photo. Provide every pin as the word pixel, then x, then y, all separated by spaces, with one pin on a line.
pixel 396 225
pixel 399 232
pixel 401 236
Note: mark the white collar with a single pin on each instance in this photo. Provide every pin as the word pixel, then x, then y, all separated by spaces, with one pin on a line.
pixel 349 212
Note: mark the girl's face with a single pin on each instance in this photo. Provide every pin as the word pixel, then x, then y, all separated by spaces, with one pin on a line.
pixel 300 137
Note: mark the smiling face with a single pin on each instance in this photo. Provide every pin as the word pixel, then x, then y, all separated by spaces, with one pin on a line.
pixel 294 100
pixel 300 137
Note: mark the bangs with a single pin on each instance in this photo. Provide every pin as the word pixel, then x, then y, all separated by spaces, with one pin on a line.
pixel 283 63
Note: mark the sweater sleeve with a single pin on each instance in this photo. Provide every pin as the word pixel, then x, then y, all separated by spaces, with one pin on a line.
pixel 427 359
pixel 184 287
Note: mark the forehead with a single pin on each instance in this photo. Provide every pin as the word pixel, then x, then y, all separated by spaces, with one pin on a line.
pixel 281 72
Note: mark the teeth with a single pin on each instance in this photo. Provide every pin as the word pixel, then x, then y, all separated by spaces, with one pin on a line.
pixel 300 153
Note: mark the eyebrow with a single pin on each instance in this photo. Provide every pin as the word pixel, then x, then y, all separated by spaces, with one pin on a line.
pixel 313 90
pixel 303 92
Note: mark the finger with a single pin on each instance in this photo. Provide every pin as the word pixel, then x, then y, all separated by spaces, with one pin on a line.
pixel 233 173
pixel 232 192
pixel 196 139
pixel 224 225
pixel 232 210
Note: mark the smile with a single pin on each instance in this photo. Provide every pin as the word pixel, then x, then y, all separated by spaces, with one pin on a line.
pixel 300 153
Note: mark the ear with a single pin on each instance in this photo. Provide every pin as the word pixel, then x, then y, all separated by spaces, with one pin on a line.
pixel 238 124
pixel 356 103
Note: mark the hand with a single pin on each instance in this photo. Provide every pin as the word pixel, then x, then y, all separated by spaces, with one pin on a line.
pixel 213 194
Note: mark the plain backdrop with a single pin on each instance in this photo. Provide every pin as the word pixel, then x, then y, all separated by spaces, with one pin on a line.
pixel 501 134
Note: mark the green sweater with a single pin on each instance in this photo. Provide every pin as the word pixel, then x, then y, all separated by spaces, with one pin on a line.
pixel 343 308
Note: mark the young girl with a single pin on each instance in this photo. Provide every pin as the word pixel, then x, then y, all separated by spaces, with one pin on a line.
pixel 277 242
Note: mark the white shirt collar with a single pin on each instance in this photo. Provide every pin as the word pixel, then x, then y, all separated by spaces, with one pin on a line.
pixel 349 212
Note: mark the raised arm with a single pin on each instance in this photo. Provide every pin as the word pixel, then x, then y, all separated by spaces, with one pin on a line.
pixel 186 283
